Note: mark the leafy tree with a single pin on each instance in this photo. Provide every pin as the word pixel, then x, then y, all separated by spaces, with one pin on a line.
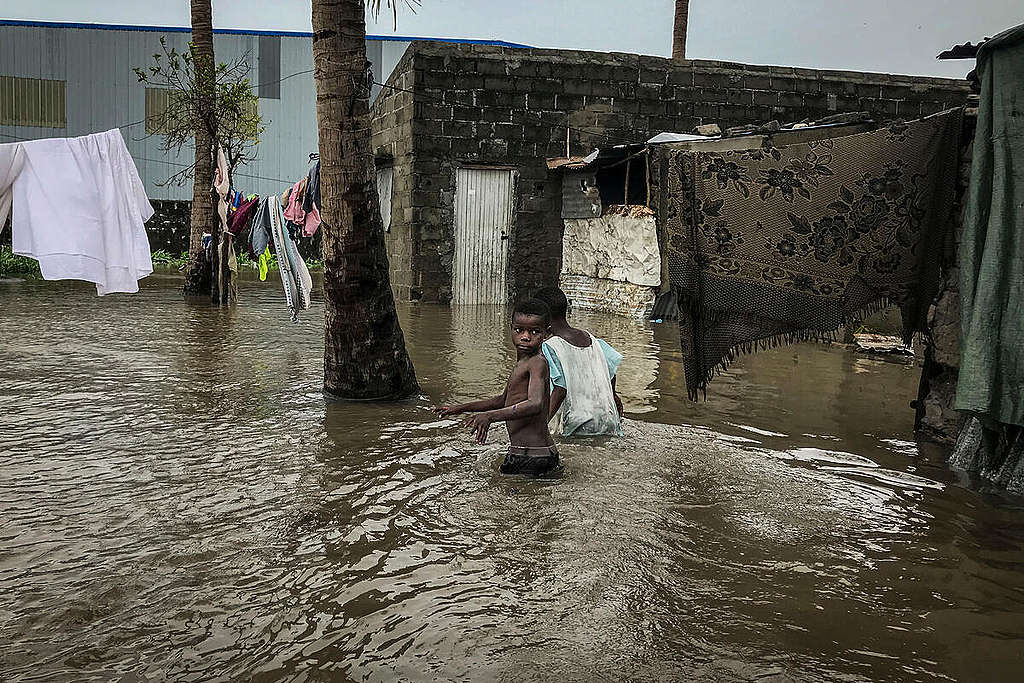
pixel 210 104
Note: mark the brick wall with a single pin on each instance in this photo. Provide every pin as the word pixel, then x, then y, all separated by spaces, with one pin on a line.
pixel 478 104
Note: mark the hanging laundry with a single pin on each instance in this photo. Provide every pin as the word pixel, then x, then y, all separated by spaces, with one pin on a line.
pixel 79 208
pixel 12 160
pixel 243 214
pixel 779 244
pixel 222 184
pixel 306 221
pixel 295 277
pixel 311 199
pixel 264 264
pixel 992 245
pixel 259 235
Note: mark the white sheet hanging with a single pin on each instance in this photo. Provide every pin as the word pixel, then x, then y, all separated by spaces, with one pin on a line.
pixel 12 159
pixel 80 209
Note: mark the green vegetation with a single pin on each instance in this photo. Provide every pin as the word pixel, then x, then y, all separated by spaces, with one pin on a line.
pixel 13 264
pixel 164 258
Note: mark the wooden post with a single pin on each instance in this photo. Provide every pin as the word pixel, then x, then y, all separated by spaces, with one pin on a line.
pixel 647 172
pixel 625 199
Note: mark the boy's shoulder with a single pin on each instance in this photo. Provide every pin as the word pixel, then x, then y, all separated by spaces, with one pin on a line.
pixel 537 363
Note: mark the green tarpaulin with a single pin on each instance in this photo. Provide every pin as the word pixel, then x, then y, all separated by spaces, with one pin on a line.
pixel 991 381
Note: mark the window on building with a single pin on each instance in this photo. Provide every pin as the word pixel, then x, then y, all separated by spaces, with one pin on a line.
pixel 269 70
pixel 32 102
pixel 159 100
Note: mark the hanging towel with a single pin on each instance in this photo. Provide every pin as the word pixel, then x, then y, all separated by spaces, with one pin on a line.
pixel 222 184
pixel 12 159
pixel 779 244
pixel 991 379
pixel 79 208
pixel 295 276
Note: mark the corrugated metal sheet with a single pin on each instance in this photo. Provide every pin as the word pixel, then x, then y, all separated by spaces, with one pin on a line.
pixel 483 216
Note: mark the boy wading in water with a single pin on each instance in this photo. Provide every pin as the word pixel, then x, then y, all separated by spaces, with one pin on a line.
pixel 582 369
pixel 524 405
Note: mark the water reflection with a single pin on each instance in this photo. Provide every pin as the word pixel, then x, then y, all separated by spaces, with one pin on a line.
pixel 180 503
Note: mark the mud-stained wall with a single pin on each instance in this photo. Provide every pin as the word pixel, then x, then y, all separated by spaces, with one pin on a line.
pixel 612 263
pixel 613 247
pixel 936 418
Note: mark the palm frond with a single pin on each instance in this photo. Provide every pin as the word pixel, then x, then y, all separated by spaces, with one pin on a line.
pixel 375 6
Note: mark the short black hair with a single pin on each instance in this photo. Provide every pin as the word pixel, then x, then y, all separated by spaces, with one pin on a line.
pixel 533 307
pixel 555 299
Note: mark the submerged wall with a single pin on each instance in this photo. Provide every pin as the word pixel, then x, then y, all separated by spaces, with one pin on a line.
pixel 510 108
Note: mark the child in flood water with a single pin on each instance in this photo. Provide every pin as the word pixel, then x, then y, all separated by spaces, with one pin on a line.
pixel 524 405
pixel 582 368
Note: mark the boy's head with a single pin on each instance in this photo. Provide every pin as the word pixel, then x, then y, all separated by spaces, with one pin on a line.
pixel 530 320
pixel 558 305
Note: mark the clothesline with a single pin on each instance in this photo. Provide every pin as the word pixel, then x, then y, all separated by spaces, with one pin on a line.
pixel 164 161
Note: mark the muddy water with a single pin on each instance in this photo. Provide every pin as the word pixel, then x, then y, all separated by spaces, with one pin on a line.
pixel 178 503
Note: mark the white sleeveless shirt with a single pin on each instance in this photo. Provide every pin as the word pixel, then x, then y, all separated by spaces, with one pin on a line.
pixel 589 405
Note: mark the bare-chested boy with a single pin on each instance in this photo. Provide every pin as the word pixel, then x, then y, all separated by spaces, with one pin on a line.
pixel 524 405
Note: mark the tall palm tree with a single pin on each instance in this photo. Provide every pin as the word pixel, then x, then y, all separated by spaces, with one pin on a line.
pixel 679 30
pixel 364 355
pixel 197 280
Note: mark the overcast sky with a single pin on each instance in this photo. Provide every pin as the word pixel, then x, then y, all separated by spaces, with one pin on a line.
pixel 894 36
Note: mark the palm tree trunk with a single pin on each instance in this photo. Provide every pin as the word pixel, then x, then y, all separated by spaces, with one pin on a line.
pixel 198 278
pixel 364 355
pixel 679 30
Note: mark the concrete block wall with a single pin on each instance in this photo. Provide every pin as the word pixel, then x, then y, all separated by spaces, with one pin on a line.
pixel 391 142
pixel 485 105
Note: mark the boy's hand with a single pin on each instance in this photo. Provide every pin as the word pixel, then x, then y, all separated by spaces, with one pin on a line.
pixel 478 426
pixel 446 411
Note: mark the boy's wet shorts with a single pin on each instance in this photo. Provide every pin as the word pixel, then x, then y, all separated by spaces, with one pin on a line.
pixel 531 460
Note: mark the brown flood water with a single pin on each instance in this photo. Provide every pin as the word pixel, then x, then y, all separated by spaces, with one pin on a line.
pixel 177 502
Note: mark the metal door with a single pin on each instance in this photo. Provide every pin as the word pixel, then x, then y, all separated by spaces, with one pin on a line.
pixel 483 216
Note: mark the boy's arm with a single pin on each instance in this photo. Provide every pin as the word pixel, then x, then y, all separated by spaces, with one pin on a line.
pixel 533 405
pixel 473 406
pixel 557 396
pixel 618 401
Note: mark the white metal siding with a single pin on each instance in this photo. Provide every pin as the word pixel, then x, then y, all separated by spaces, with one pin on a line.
pixel 483 217
pixel 102 92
